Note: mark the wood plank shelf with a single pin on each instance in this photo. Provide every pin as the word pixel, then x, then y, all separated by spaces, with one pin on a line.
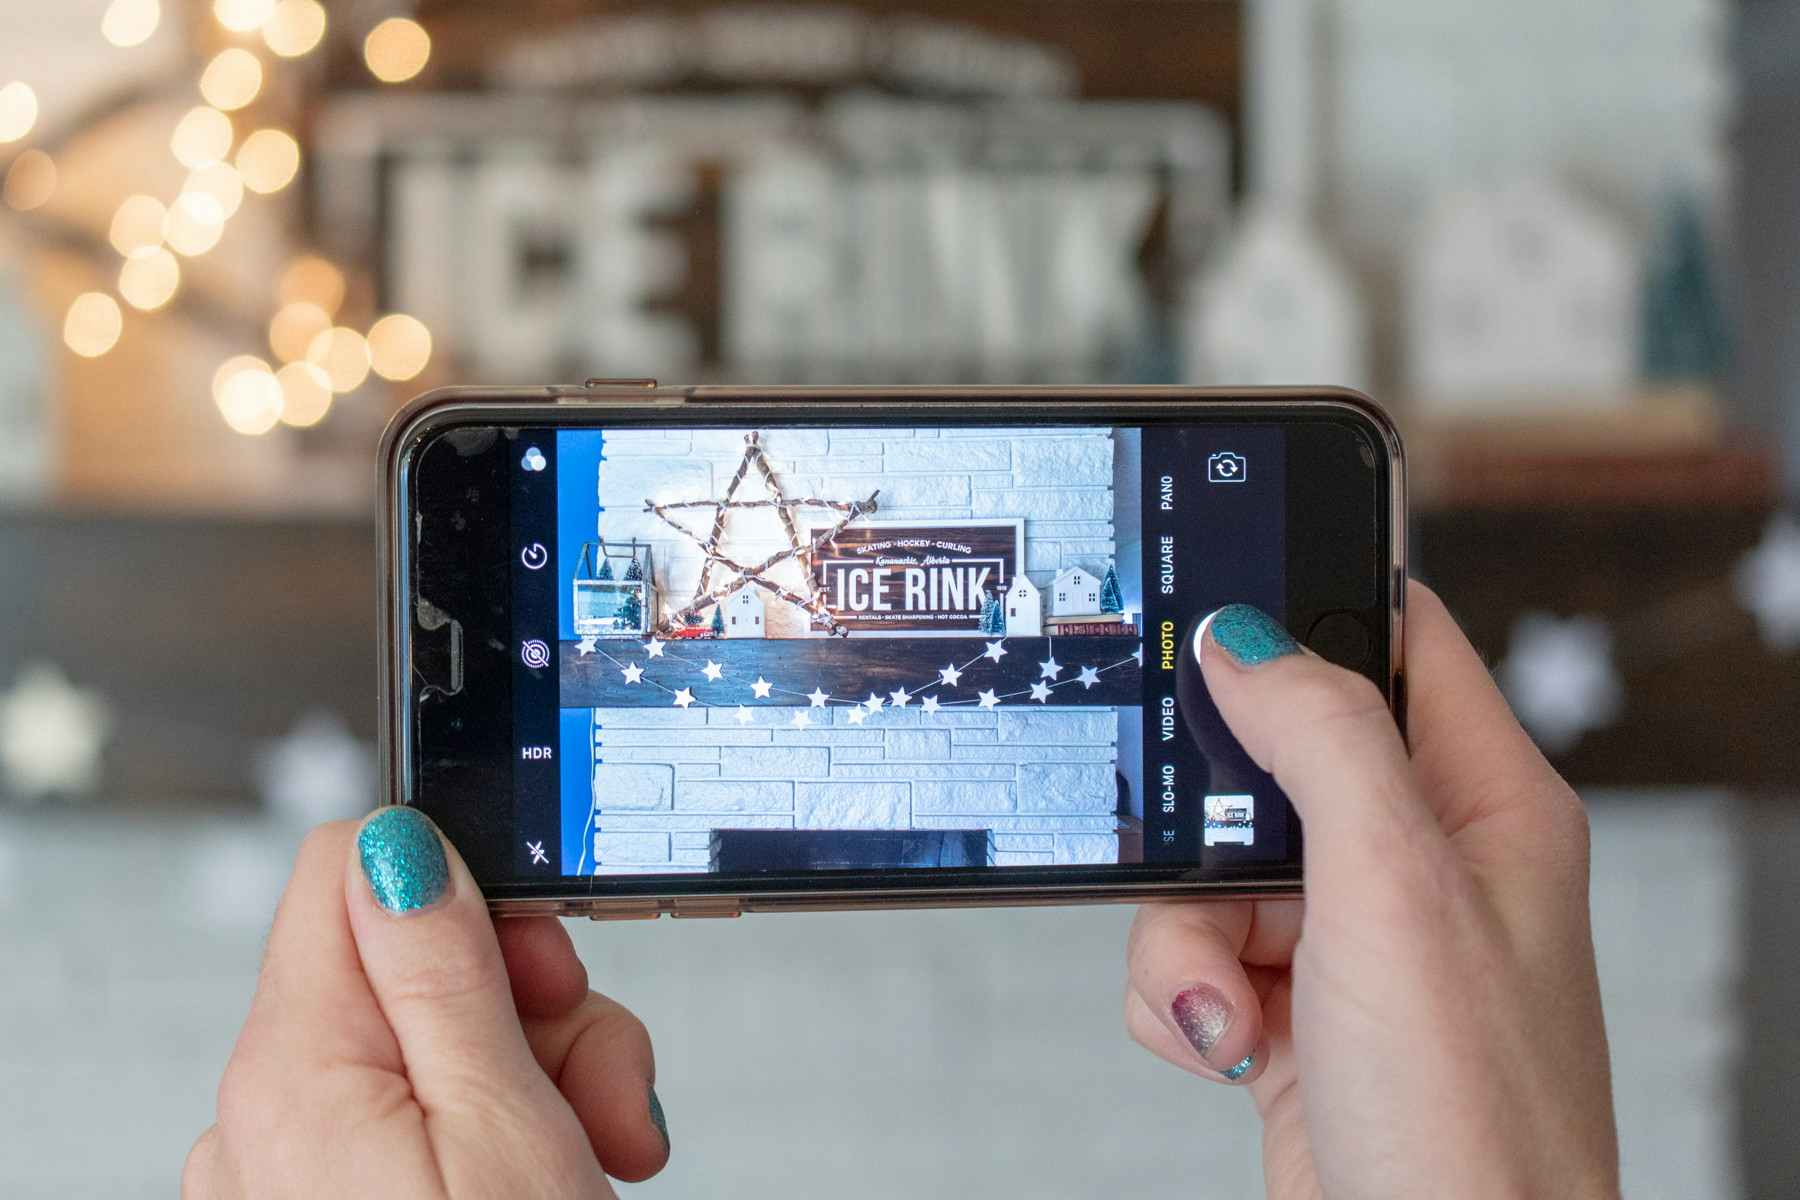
pixel 849 669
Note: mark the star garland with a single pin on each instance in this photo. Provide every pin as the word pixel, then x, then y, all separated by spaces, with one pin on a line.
pixel 949 676
pixel 799 549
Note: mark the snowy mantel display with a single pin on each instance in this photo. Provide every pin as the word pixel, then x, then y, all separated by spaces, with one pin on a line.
pixel 862 631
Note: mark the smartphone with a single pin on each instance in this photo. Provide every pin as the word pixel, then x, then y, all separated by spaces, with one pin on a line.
pixel 707 650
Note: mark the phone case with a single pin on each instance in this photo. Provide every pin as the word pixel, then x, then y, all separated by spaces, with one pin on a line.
pixel 550 404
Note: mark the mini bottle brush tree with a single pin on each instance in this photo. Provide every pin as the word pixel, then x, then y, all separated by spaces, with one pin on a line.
pixel 1684 334
pixel 718 620
pixel 605 603
pixel 993 619
pixel 631 614
pixel 1110 599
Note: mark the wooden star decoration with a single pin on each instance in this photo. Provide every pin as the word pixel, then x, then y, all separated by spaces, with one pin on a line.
pixel 799 549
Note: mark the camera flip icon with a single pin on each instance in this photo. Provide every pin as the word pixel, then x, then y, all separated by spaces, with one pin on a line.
pixel 1224 466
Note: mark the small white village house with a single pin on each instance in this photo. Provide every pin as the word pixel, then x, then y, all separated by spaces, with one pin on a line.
pixel 1524 296
pixel 1024 608
pixel 1074 593
pixel 743 613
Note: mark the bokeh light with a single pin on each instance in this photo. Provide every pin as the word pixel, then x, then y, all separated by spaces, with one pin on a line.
pixel 231 366
pixel 242 16
pixel 232 79
pixel 149 281
pixel 399 346
pixel 18 110
pixel 294 27
pixel 293 328
pixel 93 324
pixel 397 49
pixel 30 181
pixel 249 397
pixel 219 183
pixel 344 357
pixel 305 394
pixel 268 160
pixel 202 137
pixel 194 224
pixel 314 280
pixel 130 22
pixel 137 226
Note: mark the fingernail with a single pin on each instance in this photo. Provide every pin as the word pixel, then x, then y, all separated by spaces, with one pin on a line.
pixel 657 1119
pixel 403 859
pixel 1238 1072
pixel 1203 1015
pixel 1250 635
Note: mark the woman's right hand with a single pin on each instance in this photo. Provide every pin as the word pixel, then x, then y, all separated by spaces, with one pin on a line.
pixel 1427 1021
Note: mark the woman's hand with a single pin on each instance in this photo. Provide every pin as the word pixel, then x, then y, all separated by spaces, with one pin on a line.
pixel 1427 1022
pixel 398 1047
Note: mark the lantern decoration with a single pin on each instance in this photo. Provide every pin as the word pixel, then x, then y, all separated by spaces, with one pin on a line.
pixel 609 603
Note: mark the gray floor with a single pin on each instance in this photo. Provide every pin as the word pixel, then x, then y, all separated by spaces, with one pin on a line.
pixel 891 1055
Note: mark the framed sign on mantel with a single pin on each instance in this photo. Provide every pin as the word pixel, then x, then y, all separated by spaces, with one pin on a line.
pixel 921 576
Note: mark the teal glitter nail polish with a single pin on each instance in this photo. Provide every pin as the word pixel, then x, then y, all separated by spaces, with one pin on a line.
pixel 403 859
pixel 657 1119
pixel 1250 635
pixel 1243 1068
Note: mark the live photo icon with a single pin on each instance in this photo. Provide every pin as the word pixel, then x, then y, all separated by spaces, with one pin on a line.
pixel 1230 820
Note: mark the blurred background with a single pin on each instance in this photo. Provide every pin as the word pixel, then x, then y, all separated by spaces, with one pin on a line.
pixel 1561 242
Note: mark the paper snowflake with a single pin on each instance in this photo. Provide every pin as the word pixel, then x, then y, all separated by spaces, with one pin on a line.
pixel 1558 673
pixel 51 735
pixel 1768 583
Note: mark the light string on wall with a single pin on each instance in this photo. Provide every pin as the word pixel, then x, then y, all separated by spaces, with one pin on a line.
pixel 236 61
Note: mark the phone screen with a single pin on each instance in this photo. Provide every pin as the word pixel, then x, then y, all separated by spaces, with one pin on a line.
pixel 743 650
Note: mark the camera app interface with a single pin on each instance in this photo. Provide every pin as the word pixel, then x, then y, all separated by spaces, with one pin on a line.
pixel 790 649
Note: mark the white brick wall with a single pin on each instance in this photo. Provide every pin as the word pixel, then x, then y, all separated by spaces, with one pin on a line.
pixel 1040 778
pixel 1059 480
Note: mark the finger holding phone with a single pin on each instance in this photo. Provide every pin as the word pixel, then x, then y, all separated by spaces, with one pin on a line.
pixel 403 1044
pixel 1427 1021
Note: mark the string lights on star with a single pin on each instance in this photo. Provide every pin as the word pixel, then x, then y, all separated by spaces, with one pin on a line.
pixel 737 575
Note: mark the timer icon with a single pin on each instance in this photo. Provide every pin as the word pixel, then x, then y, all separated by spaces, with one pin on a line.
pixel 534 556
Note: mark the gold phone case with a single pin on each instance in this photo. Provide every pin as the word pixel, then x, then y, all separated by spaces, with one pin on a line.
pixel 553 404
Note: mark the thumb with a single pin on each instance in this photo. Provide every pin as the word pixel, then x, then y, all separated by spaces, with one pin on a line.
pixel 433 963
pixel 1326 736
